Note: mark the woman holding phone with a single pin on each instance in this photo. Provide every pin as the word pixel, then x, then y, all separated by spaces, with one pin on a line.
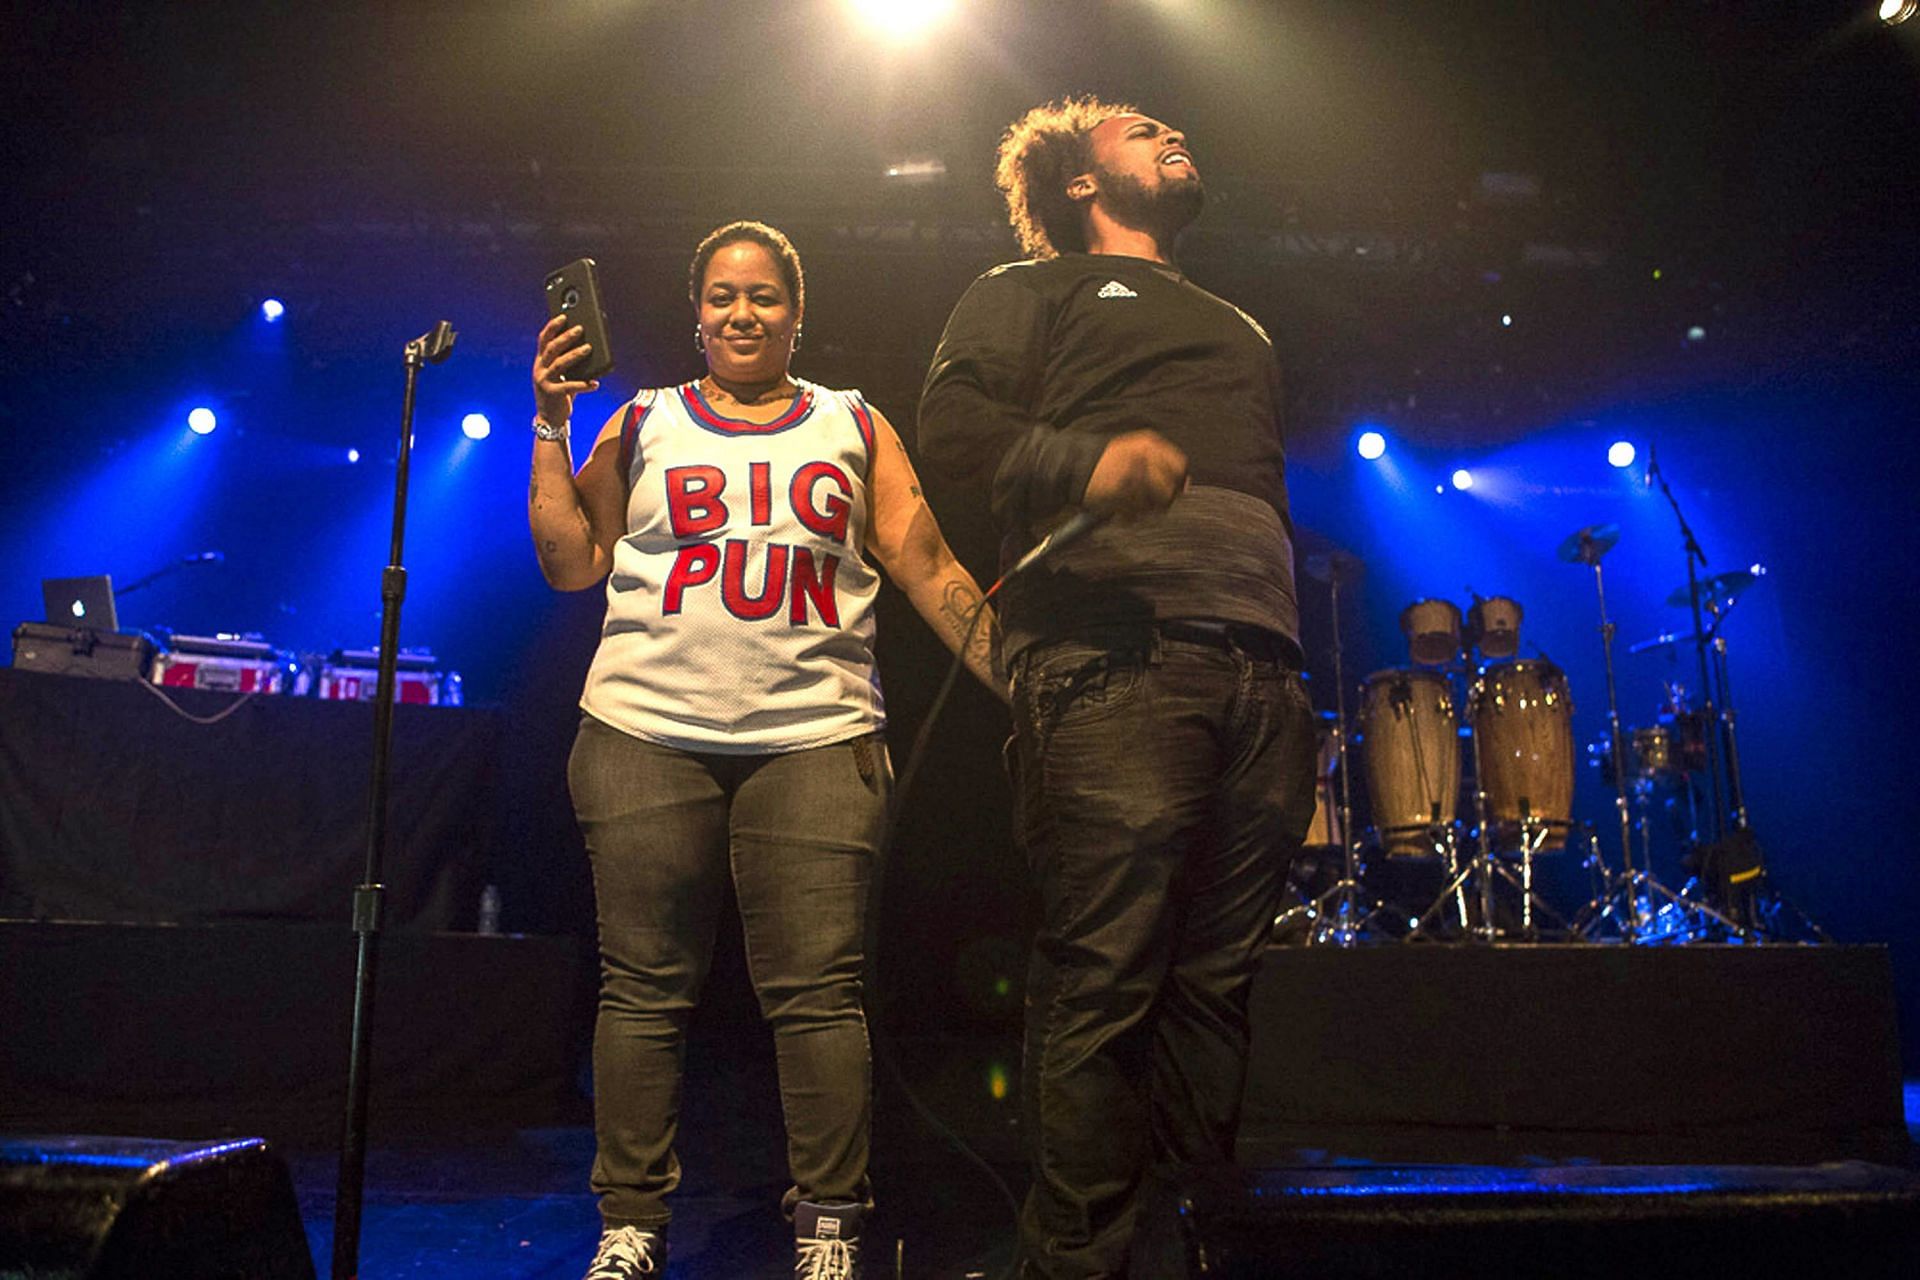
pixel 732 725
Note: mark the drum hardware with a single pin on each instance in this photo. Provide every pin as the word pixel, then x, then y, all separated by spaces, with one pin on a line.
pixel 1718 593
pixel 1588 545
pixel 1665 640
pixel 1692 597
pixel 1733 866
pixel 1754 902
pixel 1340 916
pixel 1634 899
pixel 1652 764
pixel 1717 596
pixel 1482 872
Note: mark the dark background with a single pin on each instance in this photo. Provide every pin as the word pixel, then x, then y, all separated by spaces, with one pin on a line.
pixel 1387 182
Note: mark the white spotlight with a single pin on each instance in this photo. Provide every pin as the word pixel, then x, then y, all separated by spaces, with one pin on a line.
pixel 1463 479
pixel 1371 445
pixel 272 309
pixel 1621 453
pixel 917 171
pixel 353 455
pixel 1895 12
pixel 476 426
pixel 201 421
pixel 901 19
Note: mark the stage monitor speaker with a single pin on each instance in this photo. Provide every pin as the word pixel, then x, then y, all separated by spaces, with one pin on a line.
pixel 1578 1222
pixel 116 1208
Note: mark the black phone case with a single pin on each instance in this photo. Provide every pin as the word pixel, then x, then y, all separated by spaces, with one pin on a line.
pixel 574 291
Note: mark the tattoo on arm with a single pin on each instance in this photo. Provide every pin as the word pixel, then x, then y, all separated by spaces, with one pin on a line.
pixel 957 604
pixel 913 486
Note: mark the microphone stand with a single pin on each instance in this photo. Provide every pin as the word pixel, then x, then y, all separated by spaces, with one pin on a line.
pixel 205 557
pixel 369 895
pixel 1697 560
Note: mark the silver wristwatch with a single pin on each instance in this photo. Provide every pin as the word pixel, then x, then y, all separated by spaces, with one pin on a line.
pixel 544 430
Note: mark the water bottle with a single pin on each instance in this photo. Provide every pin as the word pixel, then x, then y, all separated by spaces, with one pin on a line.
pixel 489 910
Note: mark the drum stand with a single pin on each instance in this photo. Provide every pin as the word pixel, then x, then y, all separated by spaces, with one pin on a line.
pixel 1484 870
pixel 1755 902
pixel 1340 916
pixel 1631 899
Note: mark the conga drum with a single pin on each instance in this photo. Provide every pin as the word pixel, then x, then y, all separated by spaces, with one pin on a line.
pixel 1432 628
pixel 1522 718
pixel 1411 745
pixel 1493 627
pixel 1324 833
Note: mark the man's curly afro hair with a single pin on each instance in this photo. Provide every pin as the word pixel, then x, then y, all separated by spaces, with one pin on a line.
pixel 1040 153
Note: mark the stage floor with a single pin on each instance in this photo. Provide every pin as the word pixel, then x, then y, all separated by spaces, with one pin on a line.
pixel 1402 1055
pixel 515 1204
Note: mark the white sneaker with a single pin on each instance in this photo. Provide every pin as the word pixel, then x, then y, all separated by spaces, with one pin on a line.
pixel 826 1241
pixel 629 1251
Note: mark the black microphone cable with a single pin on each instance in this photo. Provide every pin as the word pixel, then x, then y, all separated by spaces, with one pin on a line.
pixel 1076 527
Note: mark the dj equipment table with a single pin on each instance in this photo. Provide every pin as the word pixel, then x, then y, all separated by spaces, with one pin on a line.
pixel 116 806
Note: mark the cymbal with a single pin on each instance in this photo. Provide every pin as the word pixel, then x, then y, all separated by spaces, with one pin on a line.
pixel 1587 545
pixel 1721 588
pixel 1327 566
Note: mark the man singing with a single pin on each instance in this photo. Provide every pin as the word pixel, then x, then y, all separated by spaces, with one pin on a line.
pixel 1163 744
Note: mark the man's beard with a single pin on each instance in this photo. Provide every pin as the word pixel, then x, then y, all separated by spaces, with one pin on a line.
pixel 1165 209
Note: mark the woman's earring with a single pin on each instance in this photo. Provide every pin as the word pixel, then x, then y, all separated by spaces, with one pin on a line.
pixel 796 339
pixel 699 339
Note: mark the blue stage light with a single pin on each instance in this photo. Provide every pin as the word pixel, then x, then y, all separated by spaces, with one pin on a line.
pixel 1621 453
pixel 476 426
pixel 1463 479
pixel 353 455
pixel 272 309
pixel 201 421
pixel 1372 445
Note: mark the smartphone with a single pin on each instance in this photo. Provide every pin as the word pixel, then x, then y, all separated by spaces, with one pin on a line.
pixel 574 291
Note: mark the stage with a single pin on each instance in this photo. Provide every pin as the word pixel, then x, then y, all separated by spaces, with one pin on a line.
pixel 1710 1058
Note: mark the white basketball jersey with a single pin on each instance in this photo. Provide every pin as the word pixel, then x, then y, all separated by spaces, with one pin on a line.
pixel 740 605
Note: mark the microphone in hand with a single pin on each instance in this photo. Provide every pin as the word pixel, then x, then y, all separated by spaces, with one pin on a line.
pixel 1076 527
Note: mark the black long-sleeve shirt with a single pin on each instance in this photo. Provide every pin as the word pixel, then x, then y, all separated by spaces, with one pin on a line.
pixel 1041 364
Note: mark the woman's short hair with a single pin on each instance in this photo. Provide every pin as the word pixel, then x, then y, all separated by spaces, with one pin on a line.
pixel 1041 152
pixel 784 254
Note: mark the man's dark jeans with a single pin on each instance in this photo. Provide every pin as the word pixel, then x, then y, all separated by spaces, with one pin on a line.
pixel 1161 786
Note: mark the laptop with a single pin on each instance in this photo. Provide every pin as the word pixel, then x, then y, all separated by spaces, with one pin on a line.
pixel 81 602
